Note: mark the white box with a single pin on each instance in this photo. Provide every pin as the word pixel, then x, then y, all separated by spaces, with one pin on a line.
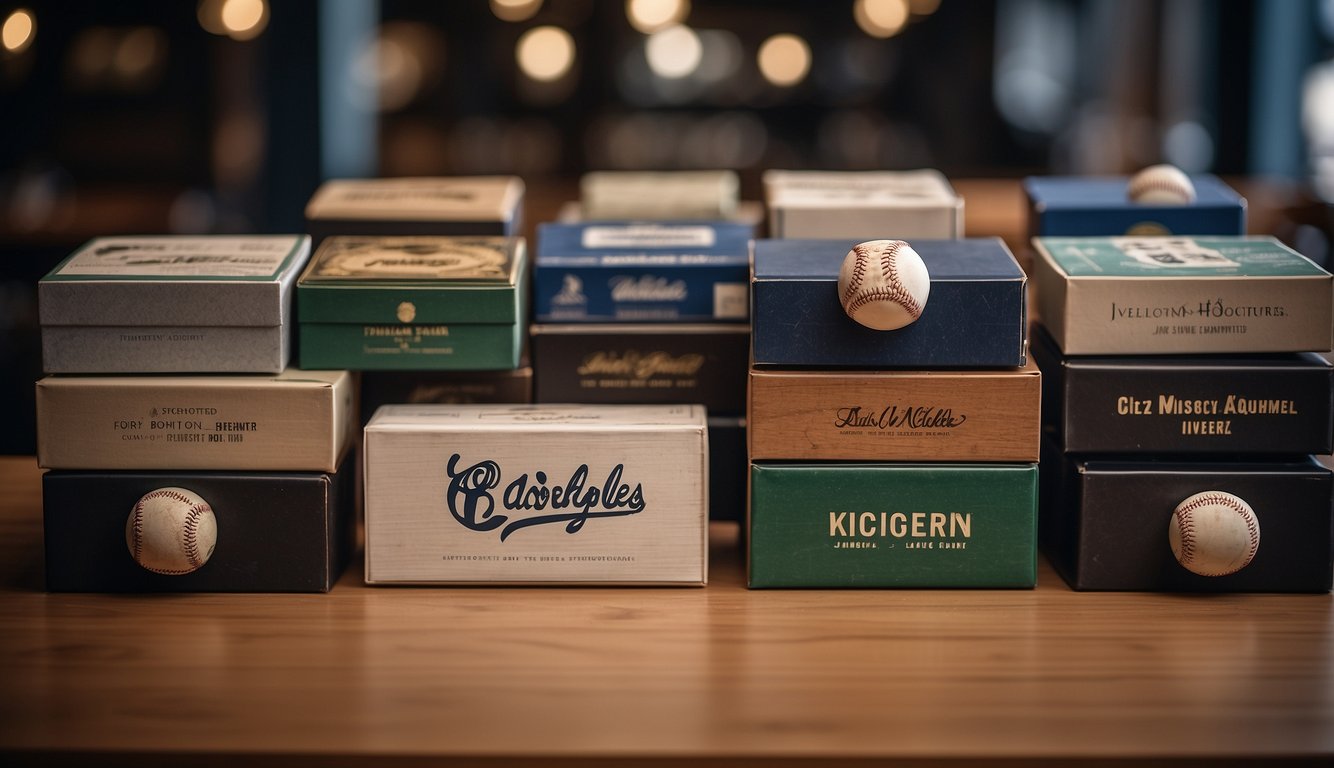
pixel 565 494
pixel 868 205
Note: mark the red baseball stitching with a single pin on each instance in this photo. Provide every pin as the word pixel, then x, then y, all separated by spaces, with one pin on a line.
pixel 137 528
pixel 192 534
pixel 1139 186
pixel 860 251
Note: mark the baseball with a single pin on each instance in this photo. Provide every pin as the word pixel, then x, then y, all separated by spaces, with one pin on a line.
pixel 1161 185
pixel 1214 533
pixel 883 284
pixel 171 531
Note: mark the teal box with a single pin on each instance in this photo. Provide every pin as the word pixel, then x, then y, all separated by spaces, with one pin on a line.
pixel 893 525
pixel 427 303
pixel 1081 206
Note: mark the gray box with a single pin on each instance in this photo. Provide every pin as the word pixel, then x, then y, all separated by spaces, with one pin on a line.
pixel 214 304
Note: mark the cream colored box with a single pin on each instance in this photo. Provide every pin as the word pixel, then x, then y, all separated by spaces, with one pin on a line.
pixel 296 420
pixel 866 205
pixel 565 494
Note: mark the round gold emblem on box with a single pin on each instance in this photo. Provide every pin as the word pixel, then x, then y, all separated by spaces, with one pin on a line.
pixel 407 312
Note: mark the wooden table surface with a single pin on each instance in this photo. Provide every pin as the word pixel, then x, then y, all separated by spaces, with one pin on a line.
pixel 416 676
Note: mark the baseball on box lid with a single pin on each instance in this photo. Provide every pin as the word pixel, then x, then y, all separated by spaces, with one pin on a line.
pixel 1160 200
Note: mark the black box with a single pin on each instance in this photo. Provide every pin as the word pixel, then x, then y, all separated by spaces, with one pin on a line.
pixel 1104 522
pixel 277 531
pixel 643 363
pixel 1205 404
pixel 448 387
pixel 728 467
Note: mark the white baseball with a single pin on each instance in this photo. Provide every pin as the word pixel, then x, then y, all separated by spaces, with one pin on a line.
pixel 883 284
pixel 1161 185
pixel 171 531
pixel 1214 533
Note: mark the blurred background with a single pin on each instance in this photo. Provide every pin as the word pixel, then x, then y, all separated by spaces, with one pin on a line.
pixel 224 115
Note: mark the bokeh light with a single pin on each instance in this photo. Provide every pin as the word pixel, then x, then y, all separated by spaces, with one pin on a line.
pixel 881 18
pixel 19 30
pixel 649 16
pixel 784 60
pixel 674 52
pixel 545 54
pixel 515 10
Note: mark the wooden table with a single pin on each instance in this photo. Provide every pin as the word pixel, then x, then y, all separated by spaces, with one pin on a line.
pixel 417 676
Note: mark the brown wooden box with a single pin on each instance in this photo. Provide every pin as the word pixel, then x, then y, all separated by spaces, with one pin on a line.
pixel 989 415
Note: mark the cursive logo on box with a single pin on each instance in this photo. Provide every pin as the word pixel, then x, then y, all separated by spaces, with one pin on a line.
pixel 473 505
pixel 647 288
pixel 892 417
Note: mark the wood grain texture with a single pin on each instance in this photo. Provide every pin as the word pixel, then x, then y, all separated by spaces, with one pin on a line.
pixel 992 415
pixel 375 676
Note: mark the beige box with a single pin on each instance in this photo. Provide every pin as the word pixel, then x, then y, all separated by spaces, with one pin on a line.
pixel 444 205
pixel 296 420
pixel 495 494
pixel 866 205
pixel 659 195
pixel 983 415
pixel 1165 295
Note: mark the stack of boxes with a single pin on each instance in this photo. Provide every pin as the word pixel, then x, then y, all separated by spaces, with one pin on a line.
pixel 184 454
pixel 650 312
pixel 1182 400
pixel 421 283
pixel 891 458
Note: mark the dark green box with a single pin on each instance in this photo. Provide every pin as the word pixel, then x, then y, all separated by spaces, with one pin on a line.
pixel 413 303
pixel 893 525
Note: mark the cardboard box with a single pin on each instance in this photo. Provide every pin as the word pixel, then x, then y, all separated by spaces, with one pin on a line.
pixel 167 304
pixel 865 205
pixel 277 531
pixel 444 387
pixel 297 420
pixel 643 363
pixel 459 205
pixel 414 303
pixel 1153 295
pixel 728 468
pixel 639 272
pixel 975 316
pixel 467 494
pixel 659 196
pixel 896 415
pixel 893 525
pixel 1082 206
pixel 1105 522
pixel 1196 404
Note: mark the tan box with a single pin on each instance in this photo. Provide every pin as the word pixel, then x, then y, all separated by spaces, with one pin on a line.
pixel 990 415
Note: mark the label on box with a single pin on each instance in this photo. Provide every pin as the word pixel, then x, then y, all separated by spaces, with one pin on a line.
pixel 895 416
pixel 895 188
pixel 1171 256
pixel 893 525
pixel 536 494
pixel 143 258
pixel 416 258
pixel 648 236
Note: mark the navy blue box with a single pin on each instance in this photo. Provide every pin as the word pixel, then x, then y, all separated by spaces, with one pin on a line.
pixel 1080 205
pixel 641 272
pixel 975 316
pixel 1186 404
pixel 1103 522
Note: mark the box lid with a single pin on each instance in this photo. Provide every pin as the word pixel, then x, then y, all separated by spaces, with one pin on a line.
pixel 419 279
pixel 171 280
pixel 1174 257
pixel 659 195
pixel 525 418
pixel 646 244
pixel 460 198
pixel 924 188
pixel 1049 193
pixel 946 260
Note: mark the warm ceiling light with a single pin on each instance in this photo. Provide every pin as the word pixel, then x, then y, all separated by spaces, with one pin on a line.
pixel 881 18
pixel 923 7
pixel 244 19
pixel 674 52
pixel 784 60
pixel 649 16
pixel 515 10
pixel 19 30
pixel 545 53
